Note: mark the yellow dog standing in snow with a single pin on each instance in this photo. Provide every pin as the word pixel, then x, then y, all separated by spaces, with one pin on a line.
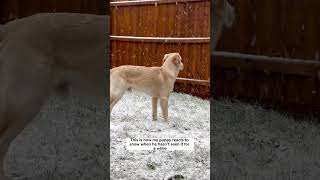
pixel 157 82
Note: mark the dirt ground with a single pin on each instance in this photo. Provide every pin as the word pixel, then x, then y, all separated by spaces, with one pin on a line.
pixel 253 143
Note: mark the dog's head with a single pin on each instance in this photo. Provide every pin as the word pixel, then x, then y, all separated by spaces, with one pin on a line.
pixel 223 15
pixel 175 59
pixel 229 15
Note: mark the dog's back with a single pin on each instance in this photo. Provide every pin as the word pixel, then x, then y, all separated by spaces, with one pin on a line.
pixel 146 79
pixel 72 44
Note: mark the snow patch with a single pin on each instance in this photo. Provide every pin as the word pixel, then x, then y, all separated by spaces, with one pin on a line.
pixel 190 117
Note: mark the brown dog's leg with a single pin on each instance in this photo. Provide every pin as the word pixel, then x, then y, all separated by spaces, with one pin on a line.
pixel 114 100
pixel 26 89
pixel 116 94
pixel 164 107
pixel 4 144
pixel 154 108
pixel 2 155
pixel 18 116
pixel 111 103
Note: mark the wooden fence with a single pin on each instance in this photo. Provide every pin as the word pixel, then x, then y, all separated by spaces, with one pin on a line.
pixel 279 64
pixel 143 31
pixel 12 9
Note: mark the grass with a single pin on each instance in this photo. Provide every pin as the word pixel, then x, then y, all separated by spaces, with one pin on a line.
pixel 253 143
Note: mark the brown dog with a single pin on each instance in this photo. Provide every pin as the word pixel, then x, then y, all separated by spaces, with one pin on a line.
pixel 47 54
pixel 156 82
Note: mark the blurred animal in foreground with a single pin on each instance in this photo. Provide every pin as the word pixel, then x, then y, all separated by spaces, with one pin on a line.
pixel 47 54
pixel 222 15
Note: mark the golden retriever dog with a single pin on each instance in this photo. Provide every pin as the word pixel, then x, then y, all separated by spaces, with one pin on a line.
pixel 157 82
pixel 46 54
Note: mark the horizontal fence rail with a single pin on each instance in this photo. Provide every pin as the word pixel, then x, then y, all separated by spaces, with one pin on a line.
pixel 150 2
pixel 161 39
pixel 267 63
pixel 194 81
pixel 279 60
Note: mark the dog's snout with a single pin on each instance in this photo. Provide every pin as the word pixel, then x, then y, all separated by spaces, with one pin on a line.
pixel 181 66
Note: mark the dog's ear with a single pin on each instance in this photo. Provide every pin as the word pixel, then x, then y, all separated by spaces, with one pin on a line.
pixel 164 58
pixel 230 15
pixel 176 60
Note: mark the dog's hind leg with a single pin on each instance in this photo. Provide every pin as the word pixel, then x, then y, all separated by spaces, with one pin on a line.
pixel 20 109
pixel 117 90
pixel 164 107
pixel 4 144
pixel 154 108
pixel 23 92
pixel 112 102
pixel 17 117
pixel 2 150
pixel 115 97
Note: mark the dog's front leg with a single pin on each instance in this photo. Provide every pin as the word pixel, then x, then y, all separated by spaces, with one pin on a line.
pixel 164 107
pixel 154 108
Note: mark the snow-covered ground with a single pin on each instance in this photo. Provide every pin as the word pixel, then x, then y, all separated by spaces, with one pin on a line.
pixel 67 141
pixel 131 118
